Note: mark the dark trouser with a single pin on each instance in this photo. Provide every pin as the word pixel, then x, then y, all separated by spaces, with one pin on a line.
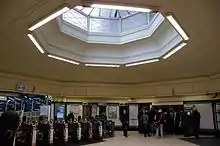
pixel 151 129
pixel 140 127
pixel 196 131
pixel 125 129
pixel 177 129
pixel 146 130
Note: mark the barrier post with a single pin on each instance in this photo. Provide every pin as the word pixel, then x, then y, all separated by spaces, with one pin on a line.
pixel 34 136
pixel 100 129
pixel 51 134
pixel 66 133
pixel 79 132
pixel 90 130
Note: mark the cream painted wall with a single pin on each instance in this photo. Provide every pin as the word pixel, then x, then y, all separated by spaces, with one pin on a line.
pixel 100 91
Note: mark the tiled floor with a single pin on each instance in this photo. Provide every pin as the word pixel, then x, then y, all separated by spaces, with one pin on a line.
pixel 203 141
pixel 135 139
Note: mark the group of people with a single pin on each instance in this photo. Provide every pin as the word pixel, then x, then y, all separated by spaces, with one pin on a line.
pixel 159 122
pixel 151 122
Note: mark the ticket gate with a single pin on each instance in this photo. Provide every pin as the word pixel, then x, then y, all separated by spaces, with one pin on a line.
pixel 24 135
pixel 85 131
pixel 97 131
pixel 59 134
pixel 42 134
pixel 110 128
pixel 74 132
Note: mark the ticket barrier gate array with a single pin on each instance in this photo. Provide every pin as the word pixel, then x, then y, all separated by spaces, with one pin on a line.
pixel 58 134
pixel 91 131
pixel 110 128
pixel 24 135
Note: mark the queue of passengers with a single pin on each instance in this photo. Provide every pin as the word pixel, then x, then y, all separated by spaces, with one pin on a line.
pixel 157 122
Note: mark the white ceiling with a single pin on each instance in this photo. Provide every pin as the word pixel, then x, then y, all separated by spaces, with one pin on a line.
pixel 200 19
pixel 161 41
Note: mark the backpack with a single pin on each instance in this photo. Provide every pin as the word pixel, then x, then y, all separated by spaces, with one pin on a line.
pixel 145 119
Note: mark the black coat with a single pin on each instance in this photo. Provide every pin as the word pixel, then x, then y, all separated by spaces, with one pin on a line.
pixel 124 119
pixel 196 118
pixel 9 122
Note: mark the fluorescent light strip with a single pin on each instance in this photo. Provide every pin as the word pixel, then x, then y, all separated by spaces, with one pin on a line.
pixel 63 59
pixel 180 46
pixel 117 7
pixel 49 18
pixel 142 62
pixel 171 19
pixel 102 65
pixel 34 41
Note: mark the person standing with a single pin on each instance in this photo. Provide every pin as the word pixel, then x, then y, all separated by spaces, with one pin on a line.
pixel 187 123
pixel 124 120
pixel 152 115
pixel 196 122
pixel 145 122
pixel 140 121
pixel 159 123
pixel 177 128
pixel 9 122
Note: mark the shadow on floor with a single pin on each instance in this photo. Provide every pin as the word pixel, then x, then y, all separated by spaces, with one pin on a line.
pixel 203 141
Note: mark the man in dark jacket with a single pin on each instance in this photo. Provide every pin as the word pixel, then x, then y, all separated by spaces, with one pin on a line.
pixel 140 122
pixel 125 122
pixel 196 122
pixel 145 122
pixel 9 122
pixel 152 114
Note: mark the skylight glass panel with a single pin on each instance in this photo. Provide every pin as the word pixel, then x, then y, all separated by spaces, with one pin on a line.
pixel 152 15
pixel 113 12
pixel 76 19
pixel 87 11
pixel 124 13
pixel 95 12
pixel 79 8
pixel 105 13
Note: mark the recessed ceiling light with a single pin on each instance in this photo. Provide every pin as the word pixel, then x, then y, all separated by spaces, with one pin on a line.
pixel 102 65
pixel 142 62
pixel 178 28
pixel 177 48
pixel 34 41
pixel 49 18
pixel 63 59
pixel 118 7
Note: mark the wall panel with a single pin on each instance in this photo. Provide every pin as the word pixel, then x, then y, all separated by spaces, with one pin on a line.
pixel 194 86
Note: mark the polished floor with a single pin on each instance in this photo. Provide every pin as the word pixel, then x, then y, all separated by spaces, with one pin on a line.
pixel 135 139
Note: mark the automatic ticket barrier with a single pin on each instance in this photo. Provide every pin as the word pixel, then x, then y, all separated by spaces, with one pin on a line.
pixel 24 135
pixel 74 132
pixel 58 134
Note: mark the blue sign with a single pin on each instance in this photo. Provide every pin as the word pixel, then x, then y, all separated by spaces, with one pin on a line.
pixel 20 87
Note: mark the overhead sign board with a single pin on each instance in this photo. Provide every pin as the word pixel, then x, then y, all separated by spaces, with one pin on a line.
pixel 20 87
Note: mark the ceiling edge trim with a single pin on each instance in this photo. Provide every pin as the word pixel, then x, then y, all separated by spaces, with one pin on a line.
pixel 27 77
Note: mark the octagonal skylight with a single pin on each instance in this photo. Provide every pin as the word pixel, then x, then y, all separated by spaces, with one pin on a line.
pixel 155 37
pixel 107 26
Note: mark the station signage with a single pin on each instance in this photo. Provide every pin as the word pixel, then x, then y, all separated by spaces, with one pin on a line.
pixel 20 87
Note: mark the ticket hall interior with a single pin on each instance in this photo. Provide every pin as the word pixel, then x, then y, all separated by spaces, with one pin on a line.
pixel 112 72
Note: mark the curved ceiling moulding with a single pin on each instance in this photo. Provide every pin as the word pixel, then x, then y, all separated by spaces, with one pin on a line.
pixel 173 21
pixel 118 5
pixel 134 53
pixel 170 48
pixel 49 18
pixel 63 59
